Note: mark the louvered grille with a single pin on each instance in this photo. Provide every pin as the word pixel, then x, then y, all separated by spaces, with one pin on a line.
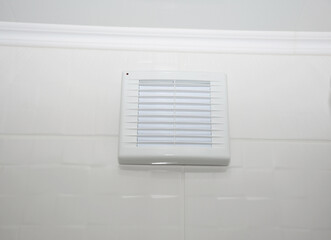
pixel 174 112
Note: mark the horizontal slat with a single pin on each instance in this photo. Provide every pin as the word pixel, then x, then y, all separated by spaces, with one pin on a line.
pixel 173 116
pixel 173 90
pixel 177 103
pixel 185 83
pixel 176 123
pixel 176 109
pixel 206 121
pixel 174 82
pixel 172 101
pixel 174 97
pixel 173 113
pixel 175 135
pixel 197 85
pixel 176 128
pixel 176 142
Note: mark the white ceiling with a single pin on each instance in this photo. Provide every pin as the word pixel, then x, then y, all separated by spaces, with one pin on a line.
pixel 264 15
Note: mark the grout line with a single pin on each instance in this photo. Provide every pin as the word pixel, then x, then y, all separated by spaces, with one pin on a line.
pixel 57 136
pixel 283 140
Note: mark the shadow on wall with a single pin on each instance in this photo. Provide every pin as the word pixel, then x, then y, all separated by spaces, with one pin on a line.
pixel 330 98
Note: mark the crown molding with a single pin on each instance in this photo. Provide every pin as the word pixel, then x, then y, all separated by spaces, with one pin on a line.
pixel 156 39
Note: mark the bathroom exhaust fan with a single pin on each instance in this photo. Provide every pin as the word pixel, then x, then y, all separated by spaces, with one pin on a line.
pixel 174 118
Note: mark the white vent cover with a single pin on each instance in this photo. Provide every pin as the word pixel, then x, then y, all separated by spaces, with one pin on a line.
pixel 174 118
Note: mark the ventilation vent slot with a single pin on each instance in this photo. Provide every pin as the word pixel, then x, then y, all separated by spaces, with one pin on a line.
pixel 173 118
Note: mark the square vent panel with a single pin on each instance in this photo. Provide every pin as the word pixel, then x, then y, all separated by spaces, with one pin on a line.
pixel 174 118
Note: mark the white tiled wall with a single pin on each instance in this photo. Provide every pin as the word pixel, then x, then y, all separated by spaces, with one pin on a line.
pixel 59 176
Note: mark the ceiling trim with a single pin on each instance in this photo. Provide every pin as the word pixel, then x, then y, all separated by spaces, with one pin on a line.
pixel 156 39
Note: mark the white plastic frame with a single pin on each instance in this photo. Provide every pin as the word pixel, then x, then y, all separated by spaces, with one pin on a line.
pixel 130 153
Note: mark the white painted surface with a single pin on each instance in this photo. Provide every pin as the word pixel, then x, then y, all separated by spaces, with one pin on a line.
pixel 253 15
pixel 59 176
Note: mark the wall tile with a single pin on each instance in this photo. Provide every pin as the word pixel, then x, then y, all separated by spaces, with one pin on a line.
pixel 204 62
pixel 30 150
pixel 165 61
pixel 114 181
pixel 197 233
pixel 95 90
pixel 318 184
pixel 56 180
pixel 41 65
pixel 301 154
pixel 19 120
pixel 291 183
pixel 7 70
pixel 90 151
pixel 290 155
pixel 236 151
pixel 40 77
pixel 46 150
pixel 234 210
pixel 320 153
pixel 165 211
pixel 167 182
pixel 162 233
pixel 215 212
pixel 320 213
pixel 9 233
pixel 225 183
pixel 71 210
pixel 72 180
pixel 40 180
pixel 260 233
pixel 102 232
pixel 11 210
pixel 297 117
pixel 257 155
pixel 135 181
pixel 22 96
pixel 79 151
pixel 106 151
pixel 48 120
pixel 52 233
pixel 259 183
pixel 12 180
pixel 103 209
pixel 40 210
pixel 201 212
pixel 297 234
pixel 135 210
pixel 131 232
pixel 138 61
pixel 295 213
pixel 321 234
pixel 15 151
pixel 106 232
pixel 79 110
pixel 59 175
pixel 7 60
pixel 262 213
